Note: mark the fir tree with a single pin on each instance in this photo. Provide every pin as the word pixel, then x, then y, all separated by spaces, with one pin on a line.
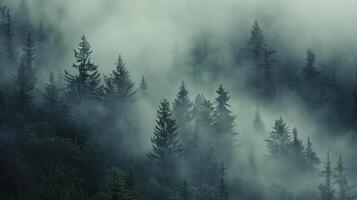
pixel 182 112
pixel 310 155
pixel 119 87
pixel 279 140
pixel 85 84
pixel 343 186
pixel 310 73
pixel 223 117
pixel 8 31
pixel 51 95
pixel 258 124
pixel 131 184
pixel 267 86
pixel 117 190
pixel 327 192
pixel 202 112
pixel 223 126
pixel 297 148
pixel 143 87
pixel 223 191
pixel 256 43
pixel 165 145
pixel 24 80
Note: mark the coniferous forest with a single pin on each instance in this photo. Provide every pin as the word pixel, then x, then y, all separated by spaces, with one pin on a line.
pixel 177 100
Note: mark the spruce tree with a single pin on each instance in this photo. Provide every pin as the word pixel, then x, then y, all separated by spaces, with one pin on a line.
pixel 327 192
pixel 85 84
pixel 311 157
pixel 258 124
pixel 24 80
pixel 256 43
pixel 8 31
pixel 267 86
pixel 117 190
pixel 310 73
pixel 51 95
pixel 279 140
pixel 202 112
pixel 119 88
pixel 297 149
pixel 182 112
pixel 343 186
pixel 166 147
pixel 223 126
pixel 131 184
pixel 223 191
pixel 143 87
pixel 223 116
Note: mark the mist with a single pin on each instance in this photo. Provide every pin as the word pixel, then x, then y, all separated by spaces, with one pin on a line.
pixel 264 69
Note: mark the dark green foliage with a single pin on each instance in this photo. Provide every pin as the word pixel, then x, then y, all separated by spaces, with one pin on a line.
pixel 311 157
pixel 165 143
pixel 52 93
pixel 256 43
pixel 85 84
pixel 24 80
pixel 182 112
pixel 298 149
pixel 117 187
pixel 119 88
pixel 9 34
pixel 131 185
pixel 202 113
pixel 223 117
pixel 279 140
pixel 327 192
pixel 341 180
pixel 310 73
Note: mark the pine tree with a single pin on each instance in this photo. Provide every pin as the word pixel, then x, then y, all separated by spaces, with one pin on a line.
pixel 310 155
pixel 143 87
pixel 202 112
pixel 268 83
pixel 310 73
pixel 24 80
pixel 8 31
pixel 119 88
pixel 85 84
pixel 223 117
pixel 258 124
pixel 223 126
pixel 279 140
pixel 327 192
pixel 256 43
pixel 131 184
pixel 340 176
pixel 51 95
pixel 165 145
pixel 223 191
pixel 117 190
pixel 297 149
pixel 182 112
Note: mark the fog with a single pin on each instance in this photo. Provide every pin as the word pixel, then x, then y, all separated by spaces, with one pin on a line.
pixel 152 35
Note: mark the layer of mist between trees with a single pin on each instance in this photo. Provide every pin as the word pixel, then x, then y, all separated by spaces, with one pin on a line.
pixel 248 120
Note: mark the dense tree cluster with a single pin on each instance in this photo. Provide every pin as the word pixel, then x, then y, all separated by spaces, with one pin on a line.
pixel 76 137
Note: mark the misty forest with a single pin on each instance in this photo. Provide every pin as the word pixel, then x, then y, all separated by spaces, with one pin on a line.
pixel 178 100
